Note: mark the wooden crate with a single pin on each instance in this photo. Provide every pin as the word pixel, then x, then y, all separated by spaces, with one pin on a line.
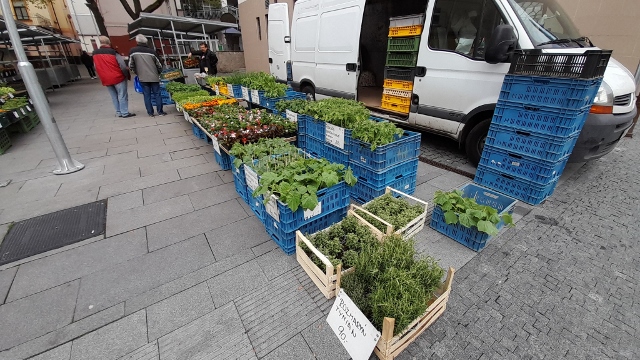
pixel 389 346
pixel 416 225
pixel 329 280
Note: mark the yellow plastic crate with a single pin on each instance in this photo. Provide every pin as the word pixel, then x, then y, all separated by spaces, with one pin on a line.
pixel 396 100
pixel 398 84
pixel 399 93
pixel 403 109
pixel 413 30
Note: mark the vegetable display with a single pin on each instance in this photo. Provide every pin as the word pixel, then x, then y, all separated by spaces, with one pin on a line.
pixel 5 90
pixel 468 213
pixel 181 96
pixel 206 101
pixel 341 243
pixel 376 133
pixel 391 280
pixel 245 154
pixel 15 103
pixel 297 106
pixel 397 212
pixel 264 82
pixel 174 86
pixel 297 183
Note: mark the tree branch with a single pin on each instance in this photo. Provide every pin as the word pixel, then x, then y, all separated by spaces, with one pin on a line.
pixel 137 7
pixel 93 7
pixel 154 6
pixel 128 9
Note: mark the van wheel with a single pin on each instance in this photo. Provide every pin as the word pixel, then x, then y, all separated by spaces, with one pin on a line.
pixel 311 94
pixel 475 141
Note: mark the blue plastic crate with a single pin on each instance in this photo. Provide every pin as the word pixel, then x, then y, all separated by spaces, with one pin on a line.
pixel 541 120
pixel 544 91
pixel 331 199
pixel 237 91
pixel 241 188
pixel 302 141
pixel 471 237
pixel 257 206
pixel 197 132
pixel 287 239
pixel 525 190
pixel 314 127
pixel 320 149
pixel 543 147
pixel 223 160
pixel 270 103
pixel 302 124
pixel 405 148
pixel 539 171
pixel 363 193
pixel 380 178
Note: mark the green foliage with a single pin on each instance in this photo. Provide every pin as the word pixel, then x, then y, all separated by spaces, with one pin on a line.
pixel 174 86
pixel 235 78
pixel 390 280
pixel 214 80
pixel 468 213
pixel 246 154
pixel 15 103
pixel 341 243
pixel 265 82
pixel 377 133
pixel 397 212
pixel 181 96
pixel 296 184
pixel 297 106
pixel 5 90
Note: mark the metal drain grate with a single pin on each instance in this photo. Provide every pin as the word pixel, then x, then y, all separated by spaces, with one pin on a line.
pixel 52 231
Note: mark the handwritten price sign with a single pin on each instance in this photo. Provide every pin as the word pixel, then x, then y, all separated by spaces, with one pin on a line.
pixel 353 329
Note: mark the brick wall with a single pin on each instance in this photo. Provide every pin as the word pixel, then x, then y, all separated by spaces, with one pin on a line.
pixel 230 61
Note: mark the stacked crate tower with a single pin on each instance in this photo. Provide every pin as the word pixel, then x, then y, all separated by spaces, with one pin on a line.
pixel 543 105
pixel 402 57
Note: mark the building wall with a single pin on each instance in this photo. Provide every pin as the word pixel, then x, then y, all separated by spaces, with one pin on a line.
pixel 610 24
pixel 116 18
pixel 256 50
pixel 230 61
pixel 84 24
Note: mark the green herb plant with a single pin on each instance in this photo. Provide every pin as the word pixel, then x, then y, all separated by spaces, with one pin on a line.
pixel 246 154
pixel 468 213
pixel 397 212
pixel 15 103
pixel 377 133
pixel 174 86
pixel 180 96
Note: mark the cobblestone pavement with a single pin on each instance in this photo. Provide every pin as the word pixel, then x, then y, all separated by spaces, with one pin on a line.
pixel 187 271
pixel 445 151
pixel 563 284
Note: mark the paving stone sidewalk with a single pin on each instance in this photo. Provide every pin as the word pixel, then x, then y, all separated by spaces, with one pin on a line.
pixel 186 271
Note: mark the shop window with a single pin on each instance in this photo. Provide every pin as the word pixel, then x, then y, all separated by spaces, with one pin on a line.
pixel 20 10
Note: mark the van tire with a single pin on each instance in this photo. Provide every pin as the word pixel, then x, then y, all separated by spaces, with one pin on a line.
pixel 475 141
pixel 311 93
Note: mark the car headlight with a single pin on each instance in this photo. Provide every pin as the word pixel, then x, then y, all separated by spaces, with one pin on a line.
pixel 603 103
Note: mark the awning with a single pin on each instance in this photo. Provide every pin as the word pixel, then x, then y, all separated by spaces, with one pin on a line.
pixel 149 25
pixel 33 35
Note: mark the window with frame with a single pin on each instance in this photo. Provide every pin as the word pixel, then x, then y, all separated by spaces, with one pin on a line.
pixel 20 10
pixel 463 26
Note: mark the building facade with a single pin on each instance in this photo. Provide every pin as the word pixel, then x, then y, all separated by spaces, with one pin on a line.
pixel 85 25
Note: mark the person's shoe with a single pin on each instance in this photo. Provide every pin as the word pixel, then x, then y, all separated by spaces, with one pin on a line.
pixel 151 115
pixel 162 114
pixel 128 115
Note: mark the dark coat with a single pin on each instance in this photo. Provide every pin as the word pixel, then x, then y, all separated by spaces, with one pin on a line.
pixel 208 59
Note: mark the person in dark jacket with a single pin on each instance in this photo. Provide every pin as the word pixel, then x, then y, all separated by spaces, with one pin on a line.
pixel 87 60
pixel 208 59
pixel 144 63
pixel 113 73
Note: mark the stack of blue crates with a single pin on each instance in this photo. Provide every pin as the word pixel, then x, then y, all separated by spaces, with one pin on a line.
pixel 534 129
pixel 166 97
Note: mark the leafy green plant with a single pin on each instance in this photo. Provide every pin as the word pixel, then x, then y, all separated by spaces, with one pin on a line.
pixel 297 106
pixel 174 86
pixel 377 133
pixel 5 90
pixel 265 82
pixel 468 213
pixel 15 103
pixel 297 183
pixel 235 78
pixel 180 96
pixel 390 280
pixel 340 112
pixel 397 212
pixel 245 154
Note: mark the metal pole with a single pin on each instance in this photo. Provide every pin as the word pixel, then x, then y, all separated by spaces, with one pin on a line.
pixel 175 38
pixel 67 165
pixel 162 47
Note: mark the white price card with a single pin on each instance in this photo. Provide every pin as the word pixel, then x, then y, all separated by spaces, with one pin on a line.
pixel 28 108
pixel 272 208
pixel 15 113
pixel 251 178
pixel 22 111
pixel 216 145
pixel 11 95
pixel 334 135
pixel 217 90
pixel 245 94
pixel 308 214
pixel 255 97
pixel 356 333
pixel 291 116
pixel 30 101
pixel 230 88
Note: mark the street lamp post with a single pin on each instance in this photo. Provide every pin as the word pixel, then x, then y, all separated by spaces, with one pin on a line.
pixel 67 165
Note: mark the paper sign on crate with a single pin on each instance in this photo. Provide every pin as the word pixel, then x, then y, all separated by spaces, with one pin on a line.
pixel 255 97
pixel 217 90
pixel 356 333
pixel 216 146
pixel 245 93
pixel 272 208
pixel 291 116
pixel 334 135
pixel 251 178
pixel 308 214
pixel 230 88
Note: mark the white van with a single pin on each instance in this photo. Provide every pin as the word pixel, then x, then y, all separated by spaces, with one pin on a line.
pixel 330 43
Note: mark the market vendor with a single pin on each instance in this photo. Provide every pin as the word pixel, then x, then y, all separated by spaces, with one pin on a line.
pixel 208 59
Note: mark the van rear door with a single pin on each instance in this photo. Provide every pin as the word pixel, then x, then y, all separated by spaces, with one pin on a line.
pixel 279 40
pixel 338 47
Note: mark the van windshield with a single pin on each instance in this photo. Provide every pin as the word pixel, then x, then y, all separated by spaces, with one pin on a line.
pixel 547 24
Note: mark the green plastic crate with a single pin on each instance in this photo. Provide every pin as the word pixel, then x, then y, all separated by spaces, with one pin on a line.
pixel 401 59
pixel 5 141
pixel 407 44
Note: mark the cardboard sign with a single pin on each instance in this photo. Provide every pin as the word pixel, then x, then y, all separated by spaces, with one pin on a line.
pixel 245 94
pixel 251 178
pixel 272 209
pixel 291 116
pixel 217 90
pixel 230 88
pixel 356 333
pixel 22 111
pixel 255 97
pixel 28 108
pixel 216 146
pixel 308 214
pixel 334 135
pixel 16 114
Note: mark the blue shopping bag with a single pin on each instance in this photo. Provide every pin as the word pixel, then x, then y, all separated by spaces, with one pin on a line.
pixel 136 85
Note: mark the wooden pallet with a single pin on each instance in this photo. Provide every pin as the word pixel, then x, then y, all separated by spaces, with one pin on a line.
pixel 416 225
pixel 329 280
pixel 389 346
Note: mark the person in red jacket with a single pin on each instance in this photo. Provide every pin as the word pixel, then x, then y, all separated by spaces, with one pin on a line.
pixel 113 73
